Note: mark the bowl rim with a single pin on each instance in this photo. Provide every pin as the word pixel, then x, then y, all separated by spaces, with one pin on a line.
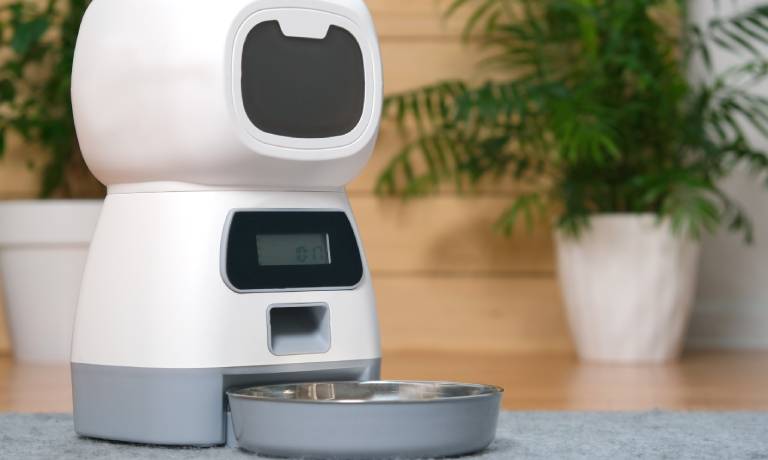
pixel 488 391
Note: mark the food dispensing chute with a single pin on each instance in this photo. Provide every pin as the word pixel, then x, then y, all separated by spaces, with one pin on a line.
pixel 226 254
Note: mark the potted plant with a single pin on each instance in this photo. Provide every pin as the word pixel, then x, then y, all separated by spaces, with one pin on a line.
pixel 43 243
pixel 595 118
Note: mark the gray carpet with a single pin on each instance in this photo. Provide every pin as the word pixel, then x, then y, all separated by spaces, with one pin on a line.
pixel 653 435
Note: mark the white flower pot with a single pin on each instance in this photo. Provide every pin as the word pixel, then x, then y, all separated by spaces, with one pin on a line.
pixel 628 284
pixel 43 247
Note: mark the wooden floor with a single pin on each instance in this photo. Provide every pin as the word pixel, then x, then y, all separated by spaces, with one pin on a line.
pixel 702 381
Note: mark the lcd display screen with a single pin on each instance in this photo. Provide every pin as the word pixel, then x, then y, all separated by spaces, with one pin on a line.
pixel 293 249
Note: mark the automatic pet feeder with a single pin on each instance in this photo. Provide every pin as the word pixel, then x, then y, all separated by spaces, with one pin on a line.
pixel 226 255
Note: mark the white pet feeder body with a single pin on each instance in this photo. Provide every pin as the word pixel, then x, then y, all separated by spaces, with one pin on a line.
pixel 220 127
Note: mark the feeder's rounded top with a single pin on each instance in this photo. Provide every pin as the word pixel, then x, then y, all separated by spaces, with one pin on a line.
pixel 271 93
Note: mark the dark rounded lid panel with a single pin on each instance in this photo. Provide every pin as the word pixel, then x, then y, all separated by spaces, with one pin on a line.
pixel 302 87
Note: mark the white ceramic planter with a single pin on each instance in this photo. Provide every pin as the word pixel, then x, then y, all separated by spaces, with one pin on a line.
pixel 43 247
pixel 628 286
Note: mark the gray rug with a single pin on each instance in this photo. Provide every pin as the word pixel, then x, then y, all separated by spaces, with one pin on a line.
pixel 546 435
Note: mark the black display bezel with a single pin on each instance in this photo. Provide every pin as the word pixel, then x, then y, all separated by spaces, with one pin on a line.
pixel 243 272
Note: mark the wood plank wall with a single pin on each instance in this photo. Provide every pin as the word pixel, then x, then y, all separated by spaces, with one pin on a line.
pixel 444 280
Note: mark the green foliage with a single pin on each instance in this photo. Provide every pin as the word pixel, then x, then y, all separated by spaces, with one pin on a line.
pixel 593 113
pixel 37 43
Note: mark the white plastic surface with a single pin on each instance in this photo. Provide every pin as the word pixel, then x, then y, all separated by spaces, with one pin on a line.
pixel 153 295
pixel 628 286
pixel 155 96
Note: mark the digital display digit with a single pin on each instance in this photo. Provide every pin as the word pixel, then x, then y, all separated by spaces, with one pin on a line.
pixel 293 249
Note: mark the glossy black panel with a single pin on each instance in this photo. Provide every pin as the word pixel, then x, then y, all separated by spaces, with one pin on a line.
pixel 245 273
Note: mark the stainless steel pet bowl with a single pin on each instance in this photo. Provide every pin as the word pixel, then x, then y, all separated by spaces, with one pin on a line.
pixel 366 419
